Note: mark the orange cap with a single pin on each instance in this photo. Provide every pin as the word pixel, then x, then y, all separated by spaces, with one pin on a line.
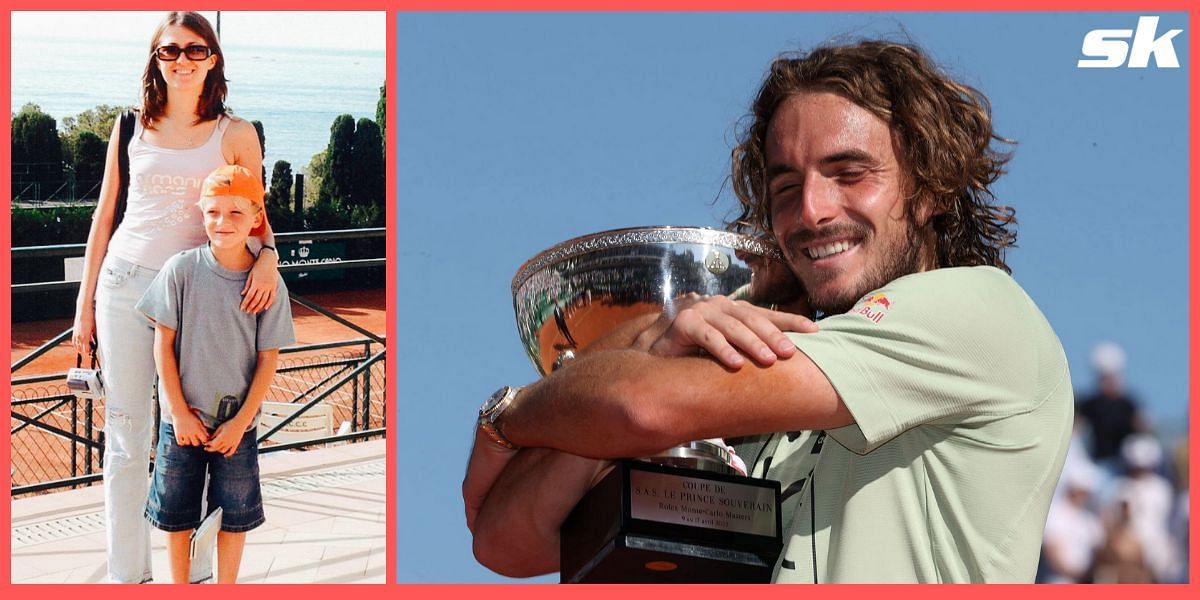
pixel 236 180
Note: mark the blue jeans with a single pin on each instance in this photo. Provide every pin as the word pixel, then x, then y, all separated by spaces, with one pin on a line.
pixel 126 340
pixel 178 486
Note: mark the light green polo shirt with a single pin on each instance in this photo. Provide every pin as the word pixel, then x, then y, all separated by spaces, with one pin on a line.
pixel 962 404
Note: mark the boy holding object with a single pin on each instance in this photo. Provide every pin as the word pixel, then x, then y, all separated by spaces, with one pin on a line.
pixel 215 364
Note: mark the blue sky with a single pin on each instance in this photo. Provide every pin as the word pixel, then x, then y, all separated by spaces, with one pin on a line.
pixel 518 131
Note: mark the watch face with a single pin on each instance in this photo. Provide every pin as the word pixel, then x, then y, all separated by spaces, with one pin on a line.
pixel 491 403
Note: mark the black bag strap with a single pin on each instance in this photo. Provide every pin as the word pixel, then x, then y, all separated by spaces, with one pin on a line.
pixel 128 120
pixel 91 351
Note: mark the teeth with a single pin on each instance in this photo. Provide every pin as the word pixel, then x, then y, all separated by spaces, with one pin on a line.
pixel 818 252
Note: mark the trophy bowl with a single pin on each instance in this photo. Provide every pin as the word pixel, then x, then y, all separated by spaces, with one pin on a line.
pixel 575 292
pixel 645 521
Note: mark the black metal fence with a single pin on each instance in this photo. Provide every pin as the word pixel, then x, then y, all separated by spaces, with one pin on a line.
pixel 57 439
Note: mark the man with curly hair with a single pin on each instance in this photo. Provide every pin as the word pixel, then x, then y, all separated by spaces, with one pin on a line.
pixel 937 395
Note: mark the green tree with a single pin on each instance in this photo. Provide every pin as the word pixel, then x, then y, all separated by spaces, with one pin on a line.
pixel 336 180
pixel 99 121
pixel 381 111
pixel 280 193
pixel 279 196
pixel 37 157
pixel 78 136
pixel 279 199
pixel 368 179
pixel 87 158
pixel 366 216
pixel 313 177
pixel 332 214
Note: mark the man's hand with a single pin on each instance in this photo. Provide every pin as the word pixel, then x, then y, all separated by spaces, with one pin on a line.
pixel 226 438
pixel 516 533
pixel 189 429
pixel 725 329
pixel 488 460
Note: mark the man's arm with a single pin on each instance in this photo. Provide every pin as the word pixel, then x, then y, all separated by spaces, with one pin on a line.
pixel 517 501
pixel 727 329
pixel 516 507
pixel 624 403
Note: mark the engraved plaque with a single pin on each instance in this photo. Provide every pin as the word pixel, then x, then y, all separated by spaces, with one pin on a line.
pixel 651 523
pixel 726 505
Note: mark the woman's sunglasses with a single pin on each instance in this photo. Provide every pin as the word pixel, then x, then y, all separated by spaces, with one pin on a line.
pixel 193 52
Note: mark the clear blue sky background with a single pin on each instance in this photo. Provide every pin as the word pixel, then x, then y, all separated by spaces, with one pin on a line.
pixel 517 131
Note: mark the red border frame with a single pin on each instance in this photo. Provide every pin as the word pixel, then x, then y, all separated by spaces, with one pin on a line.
pixel 535 592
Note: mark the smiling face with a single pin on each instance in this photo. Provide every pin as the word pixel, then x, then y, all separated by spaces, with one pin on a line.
pixel 228 220
pixel 184 73
pixel 837 199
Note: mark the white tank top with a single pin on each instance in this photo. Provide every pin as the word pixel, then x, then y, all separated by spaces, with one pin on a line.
pixel 161 217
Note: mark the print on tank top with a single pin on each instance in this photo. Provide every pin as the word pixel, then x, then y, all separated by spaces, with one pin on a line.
pixel 179 186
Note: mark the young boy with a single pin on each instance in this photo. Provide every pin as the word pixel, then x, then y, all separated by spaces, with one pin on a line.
pixel 215 364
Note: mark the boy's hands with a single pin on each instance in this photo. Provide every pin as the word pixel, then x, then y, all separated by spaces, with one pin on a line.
pixel 226 438
pixel 189 429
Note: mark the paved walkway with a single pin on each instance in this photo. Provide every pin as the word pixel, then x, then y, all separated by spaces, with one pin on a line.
pixel 326 523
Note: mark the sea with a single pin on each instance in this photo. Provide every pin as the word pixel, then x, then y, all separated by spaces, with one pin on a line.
pixel 295 92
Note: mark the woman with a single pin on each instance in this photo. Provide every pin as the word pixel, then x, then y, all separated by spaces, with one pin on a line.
pixel 183 133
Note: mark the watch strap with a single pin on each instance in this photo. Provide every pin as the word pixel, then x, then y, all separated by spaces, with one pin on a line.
pixel 492 410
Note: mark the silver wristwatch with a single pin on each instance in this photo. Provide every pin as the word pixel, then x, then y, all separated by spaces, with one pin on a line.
pixel 489 414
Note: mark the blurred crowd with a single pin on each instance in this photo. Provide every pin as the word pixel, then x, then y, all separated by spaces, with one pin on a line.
pixel 1120 513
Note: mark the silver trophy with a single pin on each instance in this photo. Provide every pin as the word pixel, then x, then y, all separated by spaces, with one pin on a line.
pixel 576 292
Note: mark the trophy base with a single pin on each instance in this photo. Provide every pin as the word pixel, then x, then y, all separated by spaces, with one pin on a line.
pixel 647 523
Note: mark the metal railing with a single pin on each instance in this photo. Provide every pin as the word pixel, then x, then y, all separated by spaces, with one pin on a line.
pixel 71 250
pixel 58 439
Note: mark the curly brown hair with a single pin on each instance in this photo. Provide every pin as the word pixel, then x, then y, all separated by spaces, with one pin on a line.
pixel 154 87
pixel 943 131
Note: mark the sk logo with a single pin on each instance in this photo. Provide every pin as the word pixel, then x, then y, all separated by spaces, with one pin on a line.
pixel 1110 44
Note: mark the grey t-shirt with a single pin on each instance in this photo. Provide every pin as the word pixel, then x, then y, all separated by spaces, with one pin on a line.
pixel 216 343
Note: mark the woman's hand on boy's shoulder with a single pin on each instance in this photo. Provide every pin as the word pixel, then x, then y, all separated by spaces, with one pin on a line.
pixel 262 285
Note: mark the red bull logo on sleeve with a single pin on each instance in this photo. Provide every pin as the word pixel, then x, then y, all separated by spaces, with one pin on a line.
pixel 873 307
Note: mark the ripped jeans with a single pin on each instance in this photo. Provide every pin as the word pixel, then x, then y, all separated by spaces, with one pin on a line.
pixel 126 341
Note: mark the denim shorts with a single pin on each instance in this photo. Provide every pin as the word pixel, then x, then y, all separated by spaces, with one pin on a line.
pixel 174 502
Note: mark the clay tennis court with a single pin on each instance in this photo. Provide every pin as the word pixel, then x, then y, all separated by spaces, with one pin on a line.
pixel 365 308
